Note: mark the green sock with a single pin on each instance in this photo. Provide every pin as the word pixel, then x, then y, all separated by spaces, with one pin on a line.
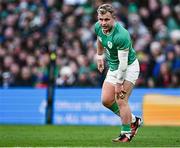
pixel 126 128
pixel 114 108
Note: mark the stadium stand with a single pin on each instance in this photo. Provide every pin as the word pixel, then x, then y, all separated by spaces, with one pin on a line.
pixel 29 27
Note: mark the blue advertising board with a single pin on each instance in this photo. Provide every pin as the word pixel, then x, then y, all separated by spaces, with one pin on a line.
pixel 83 106
pixel 22 106
pixel 71 106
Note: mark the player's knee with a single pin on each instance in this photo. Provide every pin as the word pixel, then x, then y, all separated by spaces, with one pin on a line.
pixel 106 102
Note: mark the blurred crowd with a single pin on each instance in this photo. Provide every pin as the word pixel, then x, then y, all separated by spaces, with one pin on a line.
pixel 31 29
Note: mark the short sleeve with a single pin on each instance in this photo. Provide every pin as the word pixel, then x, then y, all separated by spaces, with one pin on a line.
pixel 122 41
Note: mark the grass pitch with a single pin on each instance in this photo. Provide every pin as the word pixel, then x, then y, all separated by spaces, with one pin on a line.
pixel 85 136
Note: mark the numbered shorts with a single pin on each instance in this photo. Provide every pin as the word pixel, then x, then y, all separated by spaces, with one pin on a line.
pixel 131 75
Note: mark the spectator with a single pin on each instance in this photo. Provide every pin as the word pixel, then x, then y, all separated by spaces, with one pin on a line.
pixel 30 29
pixel 164 77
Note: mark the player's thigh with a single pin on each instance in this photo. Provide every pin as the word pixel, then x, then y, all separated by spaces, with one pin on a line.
pixel 128 86
pixel 132 74
pixel 108 96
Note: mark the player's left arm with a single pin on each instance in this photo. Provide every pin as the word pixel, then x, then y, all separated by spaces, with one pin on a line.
pixel 123 63
pixel 120 92
pixel 123 44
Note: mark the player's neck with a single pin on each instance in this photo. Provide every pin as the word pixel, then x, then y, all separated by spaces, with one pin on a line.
pixel 108 31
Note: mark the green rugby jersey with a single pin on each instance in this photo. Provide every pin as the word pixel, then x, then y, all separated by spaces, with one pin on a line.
pixel 117 39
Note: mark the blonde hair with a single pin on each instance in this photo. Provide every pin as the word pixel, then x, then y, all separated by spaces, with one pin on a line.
pixel 104 8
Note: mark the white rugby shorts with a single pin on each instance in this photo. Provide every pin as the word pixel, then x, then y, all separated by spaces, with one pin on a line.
pixel 131 75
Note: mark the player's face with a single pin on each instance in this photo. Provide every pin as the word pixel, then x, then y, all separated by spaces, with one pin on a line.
pixel 106 21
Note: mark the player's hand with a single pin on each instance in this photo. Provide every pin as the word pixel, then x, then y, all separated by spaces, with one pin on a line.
pixel 120 92
pixel 100 65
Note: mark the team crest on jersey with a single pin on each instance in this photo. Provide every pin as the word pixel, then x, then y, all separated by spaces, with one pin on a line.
pixel 109 44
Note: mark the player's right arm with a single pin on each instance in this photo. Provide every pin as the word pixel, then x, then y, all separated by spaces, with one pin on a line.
pixel 100 49
pixel 100 56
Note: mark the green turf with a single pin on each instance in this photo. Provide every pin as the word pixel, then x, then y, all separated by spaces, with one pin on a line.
pixel 85 136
